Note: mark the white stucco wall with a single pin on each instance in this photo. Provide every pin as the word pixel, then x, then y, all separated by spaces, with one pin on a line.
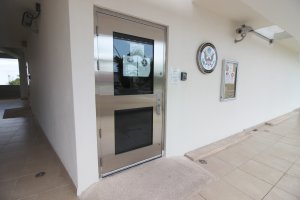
pixel 62 85
pixel 267 83
pixel 51 93
pixel 82 51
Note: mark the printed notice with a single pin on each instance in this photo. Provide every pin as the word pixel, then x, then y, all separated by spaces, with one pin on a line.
pixel 230 74
pixel 174 75
pixel 136 66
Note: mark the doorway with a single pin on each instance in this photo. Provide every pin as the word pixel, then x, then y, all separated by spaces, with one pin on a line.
pixel 130 90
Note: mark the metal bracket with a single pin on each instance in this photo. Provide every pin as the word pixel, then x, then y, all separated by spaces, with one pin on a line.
pixel 244 29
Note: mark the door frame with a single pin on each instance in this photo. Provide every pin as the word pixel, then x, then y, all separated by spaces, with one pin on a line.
pixel 164 94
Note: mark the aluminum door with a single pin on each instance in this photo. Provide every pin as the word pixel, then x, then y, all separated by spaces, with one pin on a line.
pixel 130 81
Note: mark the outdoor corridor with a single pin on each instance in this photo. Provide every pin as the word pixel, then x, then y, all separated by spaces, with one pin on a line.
pixel 24 152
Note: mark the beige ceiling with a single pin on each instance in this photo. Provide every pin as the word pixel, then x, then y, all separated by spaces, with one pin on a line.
pixel 234 10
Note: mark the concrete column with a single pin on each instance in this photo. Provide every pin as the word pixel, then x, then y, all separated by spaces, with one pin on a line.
pixel 23 76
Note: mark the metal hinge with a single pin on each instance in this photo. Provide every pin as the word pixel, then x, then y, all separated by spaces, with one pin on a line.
pixel 100 134
pixel 97 31
pixel 98 65
pixel 100 161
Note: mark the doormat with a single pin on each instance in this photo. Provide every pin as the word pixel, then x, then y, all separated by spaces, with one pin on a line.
pixel 17 112
pixel 162 179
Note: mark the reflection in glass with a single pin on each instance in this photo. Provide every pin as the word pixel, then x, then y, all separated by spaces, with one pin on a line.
pixel 133 64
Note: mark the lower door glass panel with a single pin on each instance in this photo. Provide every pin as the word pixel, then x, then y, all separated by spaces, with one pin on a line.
pixel 133 129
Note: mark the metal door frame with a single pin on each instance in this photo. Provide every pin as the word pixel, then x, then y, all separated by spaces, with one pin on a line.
pixel 164 87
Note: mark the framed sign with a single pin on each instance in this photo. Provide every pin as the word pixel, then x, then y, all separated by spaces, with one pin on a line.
pixel 207 57
pixel 229 80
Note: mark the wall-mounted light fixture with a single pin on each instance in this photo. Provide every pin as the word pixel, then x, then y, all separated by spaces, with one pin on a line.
pixel 29 16
pixel 243 30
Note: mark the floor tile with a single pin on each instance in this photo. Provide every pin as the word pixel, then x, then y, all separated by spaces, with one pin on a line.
pixel 14 147
pixel 298 161
pixel 268 136
pixel 278 194
pixel 217 166
pixel 262 171
pixel 30 185
pixel 248 184
pixel 273 161
pixel 44 164
pixel 61 193
pixel 29 139
pixel 290 184
pixel 278 130
pixel 6 188
pixel 294 135
pixel 12 156
pixel 233 157
pixel 32 197
pixel 257 144
pixel 4 141
pixel 221 190
pixel 11 169
pixel 285 151
pixel 294 170
pixel 291 141
pixel 40 154
pixel 195 197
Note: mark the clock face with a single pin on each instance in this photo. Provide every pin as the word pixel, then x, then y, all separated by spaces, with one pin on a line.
pixel 207 58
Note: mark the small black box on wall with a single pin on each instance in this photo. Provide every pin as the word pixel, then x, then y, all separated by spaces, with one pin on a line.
pixel 183 76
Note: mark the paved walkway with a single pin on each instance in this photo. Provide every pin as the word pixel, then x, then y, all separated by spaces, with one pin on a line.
pixel 264 166
pixel 24 151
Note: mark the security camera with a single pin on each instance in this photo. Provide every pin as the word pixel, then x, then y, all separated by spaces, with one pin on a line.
pixel 239 30
pixel 242 31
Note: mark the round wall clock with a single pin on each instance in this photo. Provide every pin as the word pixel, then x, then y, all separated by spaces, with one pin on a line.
pixel 207 57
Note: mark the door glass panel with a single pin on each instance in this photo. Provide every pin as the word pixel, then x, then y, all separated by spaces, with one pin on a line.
pixel 133 129
pixel 133 64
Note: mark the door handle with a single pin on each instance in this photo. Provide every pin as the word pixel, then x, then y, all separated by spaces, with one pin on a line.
pixel 158 104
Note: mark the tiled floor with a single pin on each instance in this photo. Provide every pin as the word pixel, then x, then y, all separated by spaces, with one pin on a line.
pixel 24 151
pixel 264 166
